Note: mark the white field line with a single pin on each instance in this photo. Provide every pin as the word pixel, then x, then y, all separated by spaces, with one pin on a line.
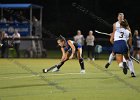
pixel 61 74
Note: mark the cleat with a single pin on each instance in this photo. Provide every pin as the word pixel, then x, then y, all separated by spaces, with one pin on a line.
pixel 107 65
pixel 124 64
pixel 55 69
pixel 125 68
pixel 83 71
pixel 45 70
pixel 132 74
pixel 93 59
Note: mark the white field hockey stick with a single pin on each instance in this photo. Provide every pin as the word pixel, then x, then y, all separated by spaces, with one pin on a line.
pixel 102 33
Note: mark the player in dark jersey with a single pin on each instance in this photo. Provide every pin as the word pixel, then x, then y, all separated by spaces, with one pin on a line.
pixel 68 49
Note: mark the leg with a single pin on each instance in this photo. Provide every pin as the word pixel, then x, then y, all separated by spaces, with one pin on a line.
pixel 83 51
pixel 88 52
pixel 81 61
pixel 134 52
pixel 111 58
pixel 131 66
pixel 119 58
pixel 2 51
pixel 138 54
pixel 55 68
pixel 17 49
pixel 92 53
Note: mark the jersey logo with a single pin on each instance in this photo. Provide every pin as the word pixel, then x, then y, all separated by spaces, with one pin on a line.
pixel 122 34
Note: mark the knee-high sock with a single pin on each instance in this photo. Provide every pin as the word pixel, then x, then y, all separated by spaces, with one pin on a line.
pixel 60 64
pixel 111 58
pixel 130 65
pixel 121 65
pixel 81 62
pixel 124 60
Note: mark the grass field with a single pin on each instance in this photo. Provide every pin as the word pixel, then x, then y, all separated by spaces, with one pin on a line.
pixel 22 79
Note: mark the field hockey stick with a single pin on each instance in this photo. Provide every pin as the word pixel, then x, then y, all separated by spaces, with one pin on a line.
pixel 135 59
pixel 49 69
pixel 110 35
pixel 102 33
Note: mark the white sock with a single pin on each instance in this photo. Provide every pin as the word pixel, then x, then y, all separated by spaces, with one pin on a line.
pixel 130 65
pixel 121 64
pixel 124 60
pixel 111 58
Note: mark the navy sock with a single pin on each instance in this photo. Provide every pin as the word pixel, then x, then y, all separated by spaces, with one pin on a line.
pixel 60 64
pixel 81 62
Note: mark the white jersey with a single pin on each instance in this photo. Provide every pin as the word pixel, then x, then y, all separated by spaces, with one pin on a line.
pixel 121 34
pixel 79 39
pixel 117 25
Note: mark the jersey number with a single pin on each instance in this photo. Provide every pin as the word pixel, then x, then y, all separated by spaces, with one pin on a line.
pixel 121 36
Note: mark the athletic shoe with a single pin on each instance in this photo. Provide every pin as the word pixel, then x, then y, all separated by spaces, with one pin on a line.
pixel 132 74
pixel 55 69
pixel 1 45
pixel 125 68
pixel 83 71
pixel 124 64
pixel 45 70
pixel 93 59
pixel 107 65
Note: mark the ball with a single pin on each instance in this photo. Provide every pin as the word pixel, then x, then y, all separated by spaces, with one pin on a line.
pixel 98 48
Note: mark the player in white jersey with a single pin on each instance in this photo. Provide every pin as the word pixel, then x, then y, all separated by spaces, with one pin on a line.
pixel 120 39
pixel 116 26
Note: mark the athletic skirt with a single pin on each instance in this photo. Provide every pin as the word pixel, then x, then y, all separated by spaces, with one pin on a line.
pixel 120 47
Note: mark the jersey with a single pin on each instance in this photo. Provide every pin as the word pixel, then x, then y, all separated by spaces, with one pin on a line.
pixel 121 34
pixel 117 25
pixel 67 47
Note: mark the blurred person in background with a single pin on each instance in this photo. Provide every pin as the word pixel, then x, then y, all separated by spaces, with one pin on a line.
pixel 90 45
pixel 4 46
pixel 79 38
pixel 16 42
pixel 36 27
pixel 3 20
pixel 136 45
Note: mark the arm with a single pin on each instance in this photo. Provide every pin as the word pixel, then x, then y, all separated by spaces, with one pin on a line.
pixel 130 40
pixel 87 39
pixel 112 34
pixel 63 54
pixel 75 38
pixel 73 49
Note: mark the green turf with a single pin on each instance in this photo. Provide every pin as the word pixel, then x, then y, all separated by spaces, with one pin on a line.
pixel 22 79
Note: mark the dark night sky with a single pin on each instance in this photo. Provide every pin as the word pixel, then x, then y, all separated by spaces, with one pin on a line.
pixel 60 17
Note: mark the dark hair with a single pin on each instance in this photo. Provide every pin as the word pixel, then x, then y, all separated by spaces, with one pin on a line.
pixel 61 38
pixel 124 23
pixel 120 13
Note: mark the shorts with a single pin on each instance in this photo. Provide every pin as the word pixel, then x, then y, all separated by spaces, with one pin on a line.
pixel 69 50
pixel 120 47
